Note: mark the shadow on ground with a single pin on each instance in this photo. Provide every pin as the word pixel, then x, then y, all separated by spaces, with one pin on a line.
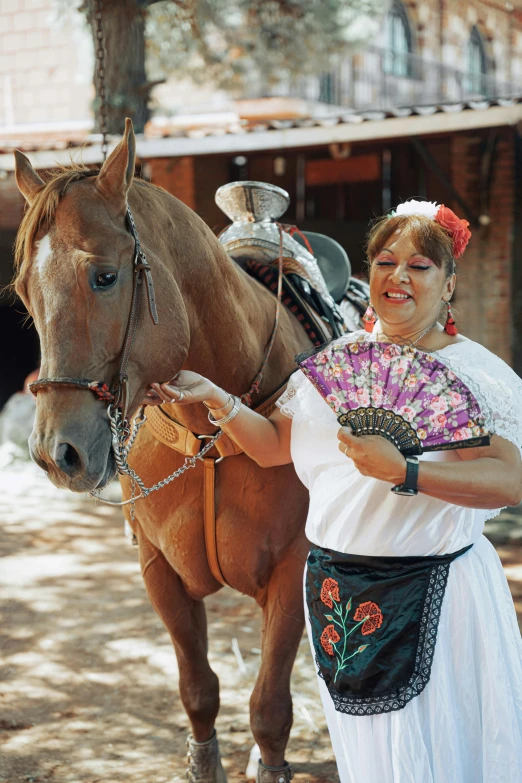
pixel 88 677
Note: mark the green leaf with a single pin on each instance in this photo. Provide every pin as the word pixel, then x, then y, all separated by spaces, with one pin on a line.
pixel 363 647
pixel 349 605
pixel 329 617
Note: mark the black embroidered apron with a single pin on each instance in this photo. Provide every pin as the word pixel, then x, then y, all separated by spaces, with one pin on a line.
pixel 374 625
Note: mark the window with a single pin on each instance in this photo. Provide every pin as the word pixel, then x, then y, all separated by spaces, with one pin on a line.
pixel 326 88
pixel 398 42
pixel 476 65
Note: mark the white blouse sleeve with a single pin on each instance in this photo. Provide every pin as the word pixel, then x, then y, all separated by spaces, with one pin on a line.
pixel 496 386
pixel 289 402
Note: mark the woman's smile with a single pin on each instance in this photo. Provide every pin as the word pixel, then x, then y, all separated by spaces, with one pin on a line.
pixel 395 296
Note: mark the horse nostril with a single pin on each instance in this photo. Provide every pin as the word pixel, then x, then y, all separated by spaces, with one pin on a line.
pixel 67 459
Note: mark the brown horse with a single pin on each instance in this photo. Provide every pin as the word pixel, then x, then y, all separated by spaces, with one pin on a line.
pixel 74 274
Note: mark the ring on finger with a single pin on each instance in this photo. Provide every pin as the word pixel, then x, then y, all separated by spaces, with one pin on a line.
pixel 181 396
pixel 345 450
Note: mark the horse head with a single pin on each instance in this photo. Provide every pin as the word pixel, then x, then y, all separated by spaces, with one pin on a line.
pixel 75 269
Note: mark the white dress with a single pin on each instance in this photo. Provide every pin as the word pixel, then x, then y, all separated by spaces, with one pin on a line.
pixel 466 726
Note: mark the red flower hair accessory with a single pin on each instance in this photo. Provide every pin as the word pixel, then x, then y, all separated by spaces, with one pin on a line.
pixel 457 229
pixel 445 217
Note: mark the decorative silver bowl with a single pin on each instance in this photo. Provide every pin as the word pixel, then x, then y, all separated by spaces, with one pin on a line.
pixel 253 207
pixel 252 202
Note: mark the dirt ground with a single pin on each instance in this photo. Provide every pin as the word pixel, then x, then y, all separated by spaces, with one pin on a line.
pixel 88 678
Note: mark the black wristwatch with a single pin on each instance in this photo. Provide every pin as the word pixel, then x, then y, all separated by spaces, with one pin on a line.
pixel 409 487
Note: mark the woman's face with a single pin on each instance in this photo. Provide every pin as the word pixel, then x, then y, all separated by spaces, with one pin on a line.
pixel 407 288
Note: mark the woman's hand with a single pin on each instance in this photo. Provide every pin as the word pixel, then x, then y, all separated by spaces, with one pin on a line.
pixel 186 388
pixel 267 441
pixel 488 477
pixel 373 456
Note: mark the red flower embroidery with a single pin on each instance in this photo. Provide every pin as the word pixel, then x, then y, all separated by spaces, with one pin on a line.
pixel 373 616
pixel 457 228
pixel 328 636
pixel 329 592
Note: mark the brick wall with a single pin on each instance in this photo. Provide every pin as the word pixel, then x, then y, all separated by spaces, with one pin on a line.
pixel 11 203
pixel 210 173
pixel 11 211
pixel 176 175
pixel 483 294
pixel 45 62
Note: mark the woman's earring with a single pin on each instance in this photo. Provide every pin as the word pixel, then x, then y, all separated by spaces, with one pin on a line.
pixel 369 319
pixel 450 327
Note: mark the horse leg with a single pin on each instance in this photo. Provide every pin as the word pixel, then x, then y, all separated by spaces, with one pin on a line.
pixel 186 623
pixel 271 702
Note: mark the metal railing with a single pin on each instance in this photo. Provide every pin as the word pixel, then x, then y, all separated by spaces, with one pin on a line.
pixel 380 80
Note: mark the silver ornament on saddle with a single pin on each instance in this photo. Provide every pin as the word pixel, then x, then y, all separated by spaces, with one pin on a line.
pixel 254 208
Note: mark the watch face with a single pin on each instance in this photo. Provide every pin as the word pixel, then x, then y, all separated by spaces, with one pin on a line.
pixel 402 490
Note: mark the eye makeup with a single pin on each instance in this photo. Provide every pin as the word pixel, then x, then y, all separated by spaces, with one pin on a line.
pixel 417 261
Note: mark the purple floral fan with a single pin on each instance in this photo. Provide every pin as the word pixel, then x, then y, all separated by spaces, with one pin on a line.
pixel 403 394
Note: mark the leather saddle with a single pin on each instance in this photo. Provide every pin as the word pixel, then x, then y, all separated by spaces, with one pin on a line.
pixel 317 269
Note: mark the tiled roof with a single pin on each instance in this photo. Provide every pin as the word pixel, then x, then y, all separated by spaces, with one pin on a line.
pixel 229 132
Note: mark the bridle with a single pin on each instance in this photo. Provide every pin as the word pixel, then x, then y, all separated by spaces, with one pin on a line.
pixel 116 396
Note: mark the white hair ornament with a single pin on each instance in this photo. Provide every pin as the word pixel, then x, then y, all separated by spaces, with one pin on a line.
pixel 457 229
pixel 427 208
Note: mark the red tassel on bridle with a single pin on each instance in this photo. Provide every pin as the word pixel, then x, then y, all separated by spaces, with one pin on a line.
pixel 450 327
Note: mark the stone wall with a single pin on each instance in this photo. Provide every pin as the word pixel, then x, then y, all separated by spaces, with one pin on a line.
pixel 441 31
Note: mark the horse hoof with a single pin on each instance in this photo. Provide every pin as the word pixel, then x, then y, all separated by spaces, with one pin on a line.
pixel 204 761
pixel 282 774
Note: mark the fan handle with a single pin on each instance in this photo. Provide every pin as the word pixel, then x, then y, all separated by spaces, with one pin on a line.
pixel 387 424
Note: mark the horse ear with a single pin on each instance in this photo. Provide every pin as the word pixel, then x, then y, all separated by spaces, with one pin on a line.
pixel 28 181
pixel 115 177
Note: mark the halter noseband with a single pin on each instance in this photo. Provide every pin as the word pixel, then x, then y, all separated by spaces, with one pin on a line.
pixel 117 394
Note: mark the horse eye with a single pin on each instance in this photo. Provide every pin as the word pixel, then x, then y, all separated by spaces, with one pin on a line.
pixel 105 279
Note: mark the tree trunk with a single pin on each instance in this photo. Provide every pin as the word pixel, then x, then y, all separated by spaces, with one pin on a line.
pixel 127 89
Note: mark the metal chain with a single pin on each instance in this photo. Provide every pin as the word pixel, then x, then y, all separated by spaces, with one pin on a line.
pixel 100 76
pixel 122 442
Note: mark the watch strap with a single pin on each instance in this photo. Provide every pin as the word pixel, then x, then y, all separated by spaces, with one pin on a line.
pixel 412 473
pixel 410 482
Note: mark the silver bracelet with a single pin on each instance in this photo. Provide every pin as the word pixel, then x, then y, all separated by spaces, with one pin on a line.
pixel 216 410
pixel 233 413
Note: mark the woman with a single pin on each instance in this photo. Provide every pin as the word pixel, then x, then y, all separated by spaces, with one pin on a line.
pixel 460 719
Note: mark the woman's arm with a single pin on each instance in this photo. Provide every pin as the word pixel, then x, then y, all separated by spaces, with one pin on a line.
pixel 485 477
pixel 266 441
pixel 489 478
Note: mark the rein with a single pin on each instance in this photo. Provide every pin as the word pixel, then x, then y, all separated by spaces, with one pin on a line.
pixel 116 396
